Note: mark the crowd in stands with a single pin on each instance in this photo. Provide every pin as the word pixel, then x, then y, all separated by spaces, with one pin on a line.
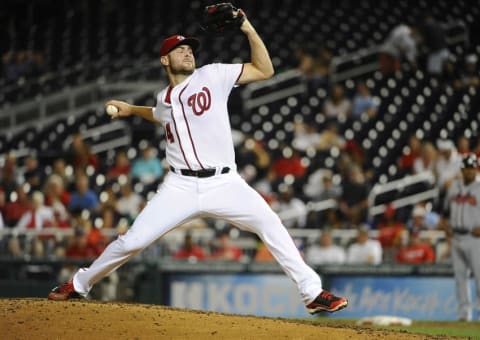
pixel 88 195
pixel 22 65
pixel 66 195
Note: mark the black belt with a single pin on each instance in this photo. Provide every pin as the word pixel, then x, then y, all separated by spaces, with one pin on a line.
pixel 200 173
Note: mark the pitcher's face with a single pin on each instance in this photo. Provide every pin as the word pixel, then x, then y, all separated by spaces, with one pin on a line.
pixel 180 60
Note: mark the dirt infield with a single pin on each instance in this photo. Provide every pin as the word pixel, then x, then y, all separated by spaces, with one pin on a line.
pixel 43 319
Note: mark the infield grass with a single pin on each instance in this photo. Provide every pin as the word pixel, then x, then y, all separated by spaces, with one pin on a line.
pixel 457 329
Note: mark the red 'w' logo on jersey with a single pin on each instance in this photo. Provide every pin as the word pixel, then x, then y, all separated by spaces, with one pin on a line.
pixel 200 102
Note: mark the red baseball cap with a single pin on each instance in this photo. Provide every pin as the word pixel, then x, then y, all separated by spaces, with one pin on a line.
pixel 175 40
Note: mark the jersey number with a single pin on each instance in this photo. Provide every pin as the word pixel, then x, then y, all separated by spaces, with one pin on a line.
pixel 200 102
pixel 169 133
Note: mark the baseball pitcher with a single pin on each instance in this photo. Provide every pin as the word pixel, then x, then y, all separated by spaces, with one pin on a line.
pixel 202 180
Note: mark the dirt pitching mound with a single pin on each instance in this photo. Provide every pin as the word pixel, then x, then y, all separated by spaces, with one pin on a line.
pixel 43 319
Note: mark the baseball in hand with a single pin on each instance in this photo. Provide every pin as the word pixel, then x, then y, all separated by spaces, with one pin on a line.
pixel 112 109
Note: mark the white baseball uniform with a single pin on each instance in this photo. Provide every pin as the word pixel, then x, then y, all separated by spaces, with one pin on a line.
pixel 202 182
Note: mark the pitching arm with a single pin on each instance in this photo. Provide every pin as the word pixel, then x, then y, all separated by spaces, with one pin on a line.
pixel 125 110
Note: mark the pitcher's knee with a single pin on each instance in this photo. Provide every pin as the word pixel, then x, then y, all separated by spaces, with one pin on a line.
pixel 129 245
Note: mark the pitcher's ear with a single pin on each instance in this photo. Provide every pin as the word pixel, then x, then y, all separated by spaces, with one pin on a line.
pixel 164 60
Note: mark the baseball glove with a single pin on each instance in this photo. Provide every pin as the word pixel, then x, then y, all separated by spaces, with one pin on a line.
pixel 221 18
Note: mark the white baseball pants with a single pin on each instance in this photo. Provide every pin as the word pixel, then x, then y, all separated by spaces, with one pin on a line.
pixel 181 198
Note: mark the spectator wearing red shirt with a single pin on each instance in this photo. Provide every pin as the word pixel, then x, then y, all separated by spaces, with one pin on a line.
pixel 80 154
pixel 410 154
pixel 226 251
pixel 390 231
pixel 39 216
pixel 83 246
pixel 15 209
pixel 289 164
pixel 189 251
pixel 121 166
pixel 416 251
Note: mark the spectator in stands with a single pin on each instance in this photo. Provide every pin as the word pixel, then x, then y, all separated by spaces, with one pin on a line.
pixel 447 167
pixel 189 250
pixel 400 45
pixel 291 210
pixel 147 168
pixel 306 62
pixel 33 174
pixel 38 217
pixel 85 244
pixel 306 137
pixel 37 248
pixel 353 202
pixel 463 146
pixel 66 173
pixel 331 138
pixel 410 154
pixel 83 198
pixel 363 103
pixel 80 154
pixel 36 61
pixel 416 251
pixel 314 64
pixel 108 218
pixel 14 247
pixel 108 199
pixel 253 153
pixel 263 255
pixel 55 194
pixel 129 203
pixel 417 221
pixel 320 186
pixel 289 163
pixel 337 107
pixel 15 208
pixel 469 74
pixel 333 220
pixel 225 250
pixel 326 251
pixel 427 159
pixel 121 166
pixel 434 40
pixel 364 250
pixel 10 176
pixel 390 231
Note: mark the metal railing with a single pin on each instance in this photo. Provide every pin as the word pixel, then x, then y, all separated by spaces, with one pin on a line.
pixel 42 111
pixel 399 186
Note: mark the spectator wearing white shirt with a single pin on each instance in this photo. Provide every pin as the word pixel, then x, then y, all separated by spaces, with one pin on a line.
pixel 448 164
pixel 291 210
pixel 365 250
pixel 129 203
pixel 326 251
pixel 39 217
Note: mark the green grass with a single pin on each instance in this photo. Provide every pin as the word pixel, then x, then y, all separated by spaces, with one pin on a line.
pixel 459 329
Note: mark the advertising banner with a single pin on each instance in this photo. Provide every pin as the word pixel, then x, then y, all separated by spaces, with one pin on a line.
pixel 419 298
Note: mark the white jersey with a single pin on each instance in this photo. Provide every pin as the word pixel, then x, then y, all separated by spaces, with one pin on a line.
pixel 195 118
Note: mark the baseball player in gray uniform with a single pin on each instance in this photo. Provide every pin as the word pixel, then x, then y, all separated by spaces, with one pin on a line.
pixel 202 180
pixel 462 206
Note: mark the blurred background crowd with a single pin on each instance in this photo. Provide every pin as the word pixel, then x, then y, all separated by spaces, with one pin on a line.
pixel 315 155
